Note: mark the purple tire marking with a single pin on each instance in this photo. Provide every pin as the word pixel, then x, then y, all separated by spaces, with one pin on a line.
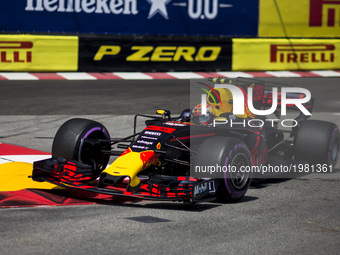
pixel 225 174
pixel 90 131
pixel 107 136
pixel 330 156
pixel 234 194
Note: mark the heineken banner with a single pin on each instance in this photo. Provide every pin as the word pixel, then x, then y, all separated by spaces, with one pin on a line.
pixel 127 17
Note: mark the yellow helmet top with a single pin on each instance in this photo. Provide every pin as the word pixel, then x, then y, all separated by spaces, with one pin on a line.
pixel 221 101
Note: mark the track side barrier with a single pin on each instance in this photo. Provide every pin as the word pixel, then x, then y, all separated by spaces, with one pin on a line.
pixel 257 54
pixel 154 54
pixel 38 53
pixel 84 53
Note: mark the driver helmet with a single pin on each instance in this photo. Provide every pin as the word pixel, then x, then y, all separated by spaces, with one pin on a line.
pixel 201 119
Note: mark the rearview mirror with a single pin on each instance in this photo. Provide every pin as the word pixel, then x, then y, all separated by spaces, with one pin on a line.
pixel 164 113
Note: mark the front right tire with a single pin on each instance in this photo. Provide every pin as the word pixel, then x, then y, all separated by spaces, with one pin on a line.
pixel 228 153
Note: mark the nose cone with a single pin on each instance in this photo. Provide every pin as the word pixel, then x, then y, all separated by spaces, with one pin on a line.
pixel 129 164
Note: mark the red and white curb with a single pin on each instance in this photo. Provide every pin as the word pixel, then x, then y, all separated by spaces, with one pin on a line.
pixel 160 75
pixel 13 153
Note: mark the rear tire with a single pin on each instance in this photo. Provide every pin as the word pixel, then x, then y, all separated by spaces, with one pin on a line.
pixel 226 151
pixel 69 143
pixel 317 142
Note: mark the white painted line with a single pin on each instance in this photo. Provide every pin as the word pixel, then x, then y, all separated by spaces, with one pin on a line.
pixel 235 74
pixel 19 76
pixel 133 76
pixel 176 75
pixel 22 158
pixel 3 161
pixel 185 75
pixel 327 73
pixel 283 74
pixel 336 113
pixel 77 76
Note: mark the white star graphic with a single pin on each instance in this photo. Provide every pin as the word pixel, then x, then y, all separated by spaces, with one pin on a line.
pixel 158 6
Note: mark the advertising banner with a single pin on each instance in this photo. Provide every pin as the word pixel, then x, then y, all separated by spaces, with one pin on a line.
pixel 303 18
pixel 154 54
pixel 285 54
pixel 142 17
pixel 38 53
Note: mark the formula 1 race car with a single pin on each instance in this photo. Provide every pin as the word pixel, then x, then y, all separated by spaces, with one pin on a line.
pixel 161 161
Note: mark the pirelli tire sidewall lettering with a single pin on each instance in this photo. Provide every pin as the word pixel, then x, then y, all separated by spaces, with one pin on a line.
pixel 150 54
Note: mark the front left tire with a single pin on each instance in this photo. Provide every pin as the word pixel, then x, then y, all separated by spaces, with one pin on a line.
pixel 70 142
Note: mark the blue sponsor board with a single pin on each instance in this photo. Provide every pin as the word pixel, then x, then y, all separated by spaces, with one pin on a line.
pixel 141 17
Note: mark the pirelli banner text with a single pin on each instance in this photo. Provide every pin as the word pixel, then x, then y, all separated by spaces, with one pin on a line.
pixel 285 54
pixel 154 54
pixel 302 18
pixel 38 53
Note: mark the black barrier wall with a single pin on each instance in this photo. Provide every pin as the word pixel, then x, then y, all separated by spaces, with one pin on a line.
pixel 154 53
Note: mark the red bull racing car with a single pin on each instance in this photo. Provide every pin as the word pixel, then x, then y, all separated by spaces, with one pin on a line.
pixel 172 158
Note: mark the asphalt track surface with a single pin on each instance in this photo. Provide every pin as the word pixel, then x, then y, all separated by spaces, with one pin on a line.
pixel 295 216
